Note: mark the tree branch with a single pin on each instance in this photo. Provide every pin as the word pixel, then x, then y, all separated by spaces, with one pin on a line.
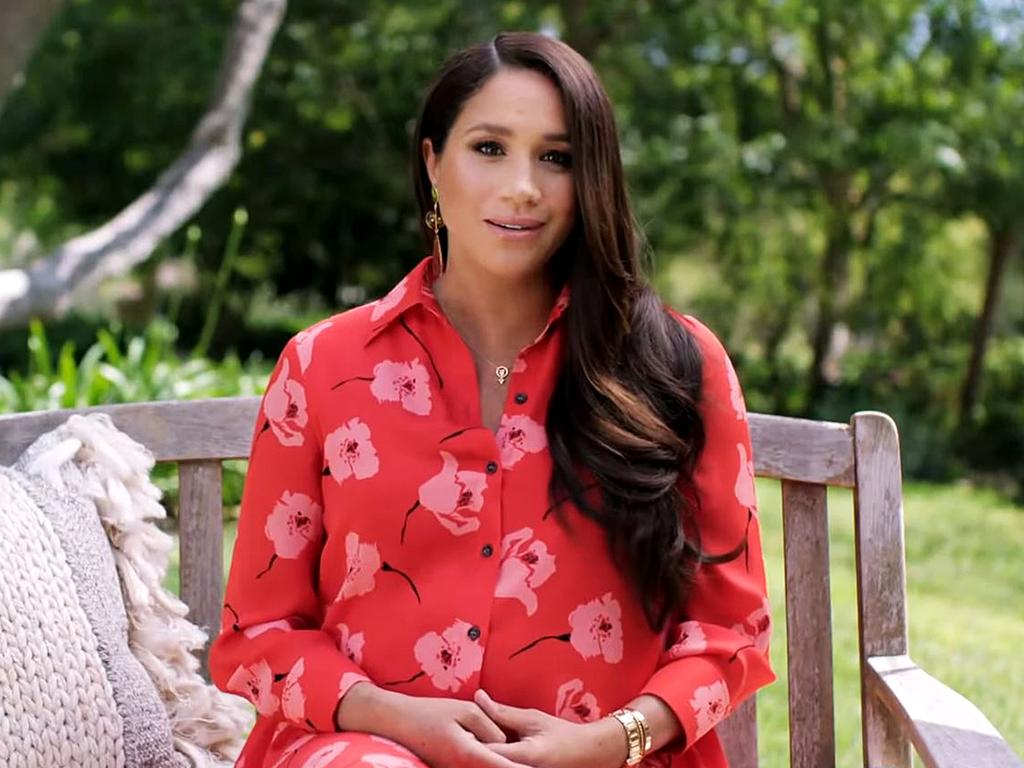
pixel 48 288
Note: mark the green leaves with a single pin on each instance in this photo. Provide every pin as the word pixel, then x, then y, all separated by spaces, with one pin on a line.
pixel 118 369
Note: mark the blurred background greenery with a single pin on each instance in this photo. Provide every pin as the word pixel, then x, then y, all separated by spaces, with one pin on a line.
pixel 836 187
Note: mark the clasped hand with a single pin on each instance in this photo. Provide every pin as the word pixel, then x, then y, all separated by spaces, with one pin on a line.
pixel 452 733
pixel 546 741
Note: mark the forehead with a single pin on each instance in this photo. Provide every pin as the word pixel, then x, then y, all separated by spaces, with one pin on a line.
pixel 523 100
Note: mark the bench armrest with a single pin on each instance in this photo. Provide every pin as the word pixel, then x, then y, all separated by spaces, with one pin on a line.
pixel 946 729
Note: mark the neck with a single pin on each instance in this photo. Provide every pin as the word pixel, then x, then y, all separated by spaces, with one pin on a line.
pixel 495 318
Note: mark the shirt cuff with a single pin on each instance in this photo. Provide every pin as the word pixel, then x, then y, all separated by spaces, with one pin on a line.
pixel 696 691
pixel 327 677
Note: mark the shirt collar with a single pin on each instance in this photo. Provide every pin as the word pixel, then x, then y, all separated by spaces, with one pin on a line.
pixel 415 289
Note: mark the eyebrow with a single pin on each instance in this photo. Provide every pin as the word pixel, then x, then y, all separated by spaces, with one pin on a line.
pixel 501 130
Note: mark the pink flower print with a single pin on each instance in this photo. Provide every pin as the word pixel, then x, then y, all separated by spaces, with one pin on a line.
pixel 394 746
pixel 284 406
pixel 350 452
pixel 746 493
pixel 757 627
pixel 519 365
pixel 454 496
pixel 451 658
pixel 325 755
pixel 380 760
pixel 291 749
pixel 735 393
pixel 351 644
pixel 292 526
pixel 258 629
pixel 691 642
pixel 517 436
pixel 575 704
pixel 389 301
pixel 304 343
pixel 710 704
pixel 362 563
pixel 293 700
pixel 525 565
pixel 405 383
pixel 597 629
pixel 255 684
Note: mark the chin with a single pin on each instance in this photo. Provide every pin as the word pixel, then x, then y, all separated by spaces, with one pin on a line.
pixel 515 264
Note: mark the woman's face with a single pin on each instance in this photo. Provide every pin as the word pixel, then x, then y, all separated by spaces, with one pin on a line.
pixel 504 179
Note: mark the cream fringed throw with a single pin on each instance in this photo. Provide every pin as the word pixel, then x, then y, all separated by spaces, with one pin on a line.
pixel 71 692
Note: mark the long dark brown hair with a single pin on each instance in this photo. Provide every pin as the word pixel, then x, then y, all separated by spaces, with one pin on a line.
pixel 623 417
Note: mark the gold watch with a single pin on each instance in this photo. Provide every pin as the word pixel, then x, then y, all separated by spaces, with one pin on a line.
pixel 638 734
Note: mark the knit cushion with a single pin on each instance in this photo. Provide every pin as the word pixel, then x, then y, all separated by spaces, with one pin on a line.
pixel 96 666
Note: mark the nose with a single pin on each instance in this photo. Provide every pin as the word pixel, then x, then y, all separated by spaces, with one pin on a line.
pixel 522 189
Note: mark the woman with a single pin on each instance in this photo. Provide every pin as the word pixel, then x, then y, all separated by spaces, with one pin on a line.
pixel 505 515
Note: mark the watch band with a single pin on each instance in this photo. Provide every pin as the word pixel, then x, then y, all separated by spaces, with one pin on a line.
pixel 638 734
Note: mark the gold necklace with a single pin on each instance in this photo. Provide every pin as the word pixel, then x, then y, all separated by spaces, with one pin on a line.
pixel 500 371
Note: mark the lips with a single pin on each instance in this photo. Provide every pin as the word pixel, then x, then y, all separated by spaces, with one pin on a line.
pixel 516 224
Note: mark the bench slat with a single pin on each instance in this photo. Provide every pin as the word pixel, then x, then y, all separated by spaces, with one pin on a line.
pixel 221 428
pixel 808 625
pixel 175 430
pixel 201 543
pixel 801 449
pixel 881 579
pixel 738 734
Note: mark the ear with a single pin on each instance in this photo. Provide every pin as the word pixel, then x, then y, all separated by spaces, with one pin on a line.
pixel 430 159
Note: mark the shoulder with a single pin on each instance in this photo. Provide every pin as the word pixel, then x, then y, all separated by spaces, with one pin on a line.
pixel 339 337
pixel 721 390
pixel 711 348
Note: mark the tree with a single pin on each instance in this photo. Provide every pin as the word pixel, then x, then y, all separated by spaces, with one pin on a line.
pixel 983 172
pixel 48 287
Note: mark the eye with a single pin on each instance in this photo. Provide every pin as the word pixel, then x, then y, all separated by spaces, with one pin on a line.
pixel 563 159
pixel 490 148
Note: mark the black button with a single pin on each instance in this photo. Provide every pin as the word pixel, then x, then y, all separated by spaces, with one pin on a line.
pixel 487 551
pixel 492 467
pixel 474 633
pixel 521 397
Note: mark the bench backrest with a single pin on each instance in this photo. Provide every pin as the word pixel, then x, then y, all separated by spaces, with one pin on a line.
pixel 806 456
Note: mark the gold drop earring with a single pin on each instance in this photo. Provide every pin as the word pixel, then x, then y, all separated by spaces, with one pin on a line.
pixel 435 222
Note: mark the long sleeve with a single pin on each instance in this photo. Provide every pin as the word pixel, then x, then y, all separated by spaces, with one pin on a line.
pixel 718 652
pixel 272 649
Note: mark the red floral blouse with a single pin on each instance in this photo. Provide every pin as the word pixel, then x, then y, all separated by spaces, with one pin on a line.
pixel 385 534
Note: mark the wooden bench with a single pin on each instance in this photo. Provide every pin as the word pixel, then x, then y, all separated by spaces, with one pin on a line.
pixel 901 705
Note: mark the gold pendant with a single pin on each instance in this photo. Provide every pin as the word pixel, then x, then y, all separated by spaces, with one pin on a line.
pixel 502 373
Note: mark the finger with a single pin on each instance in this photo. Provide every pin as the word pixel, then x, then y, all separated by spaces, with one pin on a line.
pixel 519 751
pixel 519 720
pixel 476 721
pixel 481 756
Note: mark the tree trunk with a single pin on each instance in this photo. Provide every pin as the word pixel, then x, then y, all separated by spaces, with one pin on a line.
pixel 832 292
pixel 1001 245
pixel 22 23
pixel 49 287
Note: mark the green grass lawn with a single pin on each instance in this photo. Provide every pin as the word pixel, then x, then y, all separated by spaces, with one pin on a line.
pixel 965 577
pixel 965 584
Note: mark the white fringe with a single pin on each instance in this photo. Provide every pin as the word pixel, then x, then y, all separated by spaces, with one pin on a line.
pixel 98 461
